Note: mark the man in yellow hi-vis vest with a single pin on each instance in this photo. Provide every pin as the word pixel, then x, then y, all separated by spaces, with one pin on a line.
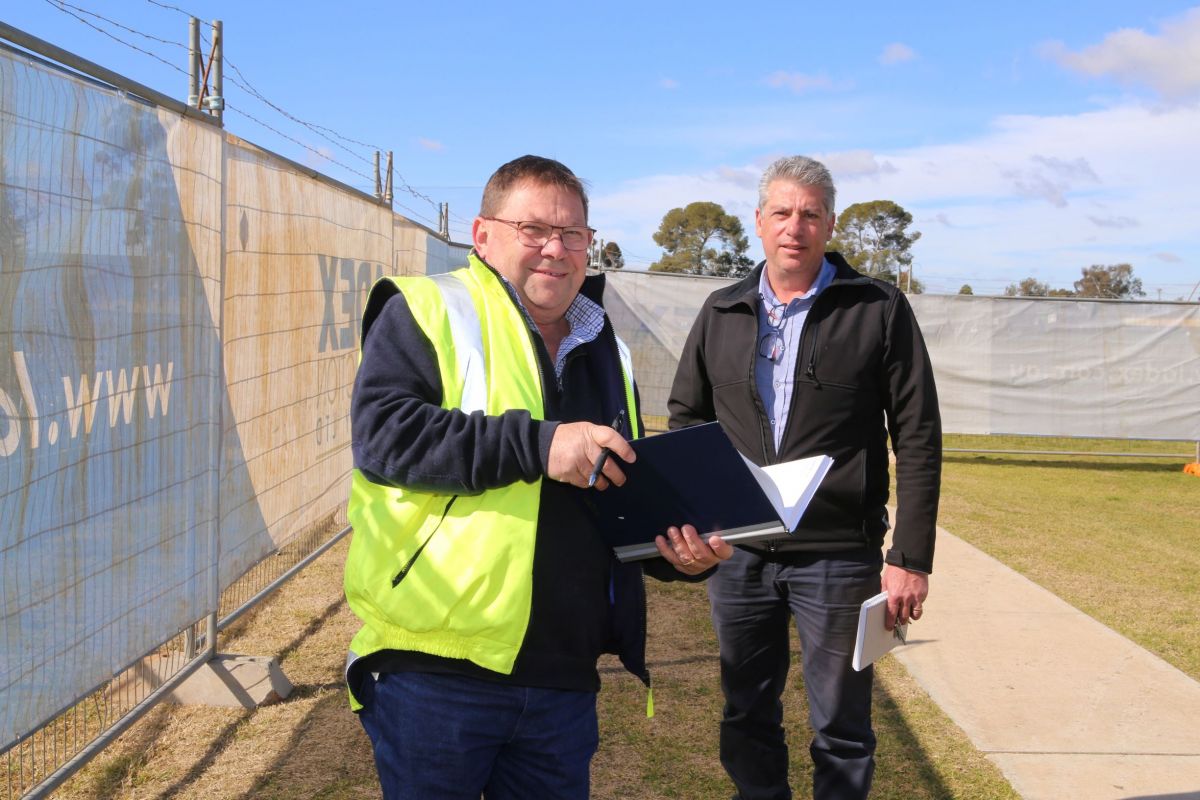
pixel 485 589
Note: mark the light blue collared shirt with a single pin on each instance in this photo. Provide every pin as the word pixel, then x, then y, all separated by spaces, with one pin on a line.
pixel 585 317
pixel 779 330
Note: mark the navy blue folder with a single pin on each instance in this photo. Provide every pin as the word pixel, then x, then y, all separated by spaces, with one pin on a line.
pixel 688 476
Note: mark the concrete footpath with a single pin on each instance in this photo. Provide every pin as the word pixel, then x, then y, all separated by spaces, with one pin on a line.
pixel 1067 708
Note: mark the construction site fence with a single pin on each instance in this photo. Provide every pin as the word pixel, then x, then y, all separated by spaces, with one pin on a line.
pixel 179 313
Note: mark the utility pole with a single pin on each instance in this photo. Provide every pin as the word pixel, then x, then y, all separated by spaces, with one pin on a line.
pixel 199 96
pixel 194 62
pixel 387 186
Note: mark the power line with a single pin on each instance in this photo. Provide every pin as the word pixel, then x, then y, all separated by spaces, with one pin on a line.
pixel 294 140
pixel 320 130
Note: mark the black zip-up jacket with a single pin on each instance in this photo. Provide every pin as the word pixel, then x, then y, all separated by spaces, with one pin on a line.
pixel 862 372
pixel 585 602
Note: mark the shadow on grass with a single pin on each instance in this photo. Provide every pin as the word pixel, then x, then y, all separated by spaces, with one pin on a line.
pixel 903 767
pixel 120 771
pixel 218 745
pixel 327 756
pixel 1077 463
pixel 229 733
pixel 675 754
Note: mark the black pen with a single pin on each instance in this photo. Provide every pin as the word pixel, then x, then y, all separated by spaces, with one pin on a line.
pixel 605 452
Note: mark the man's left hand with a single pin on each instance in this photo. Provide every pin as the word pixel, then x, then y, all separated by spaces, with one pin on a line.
pixel 690 554
pixel 907 591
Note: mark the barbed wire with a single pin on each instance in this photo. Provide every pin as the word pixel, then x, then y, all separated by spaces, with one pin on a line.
pixel 320 130
pixel 170 7
pixel 63 7
pixel 294 140
pixel 242 82
pixel 417 215
pixel 113 22
pixel 314 128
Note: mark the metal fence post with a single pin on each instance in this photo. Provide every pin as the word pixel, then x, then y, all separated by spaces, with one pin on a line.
pixel 193 63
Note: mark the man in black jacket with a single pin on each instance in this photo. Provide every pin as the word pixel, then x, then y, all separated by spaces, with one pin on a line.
pixel 807 357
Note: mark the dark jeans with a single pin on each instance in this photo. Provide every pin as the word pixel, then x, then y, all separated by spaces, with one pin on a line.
pixel 451 737
pixel 752 599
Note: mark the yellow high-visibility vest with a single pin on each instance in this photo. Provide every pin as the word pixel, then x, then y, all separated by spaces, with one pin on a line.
pixel 452 575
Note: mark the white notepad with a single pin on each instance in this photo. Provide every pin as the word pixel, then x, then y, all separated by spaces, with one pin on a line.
pixel 874 639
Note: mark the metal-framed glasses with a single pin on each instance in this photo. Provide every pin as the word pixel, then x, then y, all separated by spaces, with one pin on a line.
pixel 772 345
pixel 536 234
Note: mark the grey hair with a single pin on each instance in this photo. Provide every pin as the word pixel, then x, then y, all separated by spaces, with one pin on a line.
pixel 801 170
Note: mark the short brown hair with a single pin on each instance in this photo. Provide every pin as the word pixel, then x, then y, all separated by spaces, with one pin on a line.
pixel 534 169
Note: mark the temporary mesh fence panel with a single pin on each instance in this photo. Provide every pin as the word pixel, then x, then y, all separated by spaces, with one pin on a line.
pixel 419 252
pixel 179 315
pixel 1061 367
pixel 653 313
pixel 110 387
pixel 300 259
pixel 1106 369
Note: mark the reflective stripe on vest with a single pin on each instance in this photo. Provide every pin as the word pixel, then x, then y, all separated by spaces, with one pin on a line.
pixel 468 340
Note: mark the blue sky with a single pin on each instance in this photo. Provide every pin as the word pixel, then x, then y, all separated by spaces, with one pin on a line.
pixel 1027 139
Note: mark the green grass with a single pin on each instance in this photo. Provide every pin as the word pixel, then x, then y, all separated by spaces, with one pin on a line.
pixel 1118 538
pixel 922 755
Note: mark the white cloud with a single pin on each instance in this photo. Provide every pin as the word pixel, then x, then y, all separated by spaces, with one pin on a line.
pixel 1051 193
pixel 668 83
pixel 800 83
pixel 1113 222
pixel 896 53
pixel 431 144
pixel 854 164
pixel 318 157
pixel 1051 178
pixel 745 177
pixel 1167 62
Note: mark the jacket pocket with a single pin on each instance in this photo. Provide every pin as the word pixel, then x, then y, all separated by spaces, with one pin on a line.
pixel 421 547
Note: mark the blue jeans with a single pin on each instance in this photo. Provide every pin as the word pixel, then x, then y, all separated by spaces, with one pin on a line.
pixel 752 600
pixel 448 736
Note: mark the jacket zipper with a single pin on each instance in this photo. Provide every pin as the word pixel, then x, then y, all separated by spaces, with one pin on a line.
pixel 752 378
pixel 810 371
pixel 413 559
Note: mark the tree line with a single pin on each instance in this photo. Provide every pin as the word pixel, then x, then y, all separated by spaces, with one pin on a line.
pixel 701 238
pixel 1111 281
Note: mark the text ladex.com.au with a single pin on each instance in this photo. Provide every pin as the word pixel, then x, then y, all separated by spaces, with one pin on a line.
pixel 116 390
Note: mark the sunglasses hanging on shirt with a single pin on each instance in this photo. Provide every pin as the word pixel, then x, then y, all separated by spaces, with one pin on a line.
pixel 772 345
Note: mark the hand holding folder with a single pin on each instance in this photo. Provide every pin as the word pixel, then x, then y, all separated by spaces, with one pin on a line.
pixel 874 639
pixel 695 476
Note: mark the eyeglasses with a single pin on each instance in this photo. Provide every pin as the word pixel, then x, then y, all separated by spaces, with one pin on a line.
pixel 772 345
pixel 536 234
